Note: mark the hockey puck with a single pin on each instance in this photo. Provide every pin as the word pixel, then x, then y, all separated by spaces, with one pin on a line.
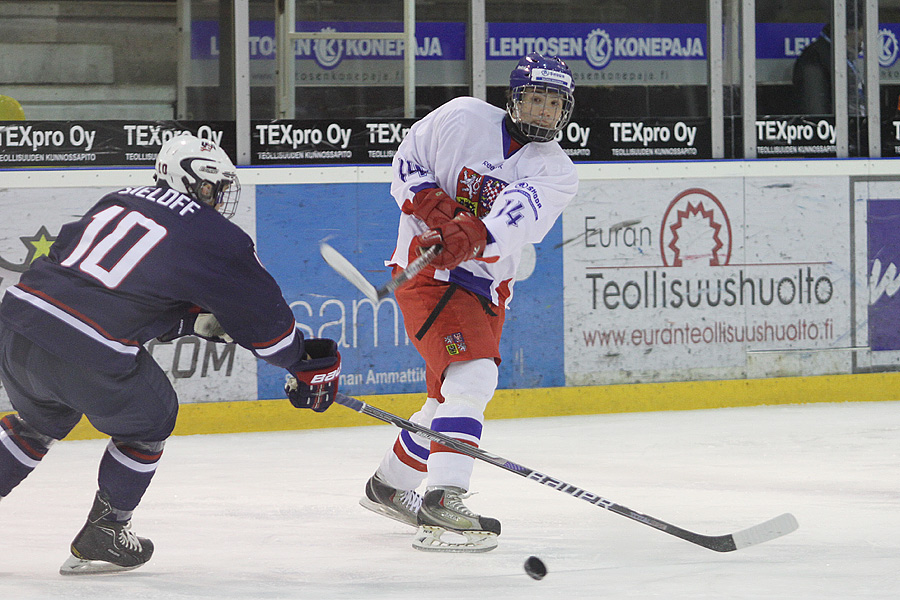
pixel 535 568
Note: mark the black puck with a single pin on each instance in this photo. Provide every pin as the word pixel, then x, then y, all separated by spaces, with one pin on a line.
pixel 535 567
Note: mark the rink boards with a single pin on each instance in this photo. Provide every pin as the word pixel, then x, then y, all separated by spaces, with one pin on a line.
pixel 664 286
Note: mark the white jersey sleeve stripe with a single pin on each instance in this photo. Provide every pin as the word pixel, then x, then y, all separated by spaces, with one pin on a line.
pixel 72 321
pixel 278 346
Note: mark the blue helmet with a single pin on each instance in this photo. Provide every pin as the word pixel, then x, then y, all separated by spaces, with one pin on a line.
pixel 548 109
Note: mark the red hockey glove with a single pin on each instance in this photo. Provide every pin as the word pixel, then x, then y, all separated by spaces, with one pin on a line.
pixel 462 238
pixel 434 206
pixel 315 379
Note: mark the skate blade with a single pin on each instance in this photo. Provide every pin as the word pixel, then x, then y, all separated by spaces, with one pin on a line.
pixel 80 566
pixel 384 511
pixel 428 539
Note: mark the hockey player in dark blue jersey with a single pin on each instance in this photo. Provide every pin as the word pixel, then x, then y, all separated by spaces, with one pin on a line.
pixel 148 262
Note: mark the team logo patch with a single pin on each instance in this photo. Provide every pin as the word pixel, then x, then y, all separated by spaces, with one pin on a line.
pixel 454 343
pixel 468 188
pixel 490 189
pixel 477 192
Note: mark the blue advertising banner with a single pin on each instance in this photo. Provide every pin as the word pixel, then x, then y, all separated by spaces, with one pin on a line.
pixel 598 53
pixel 360 221
pixel 436 41
pixel 784 40
pixel 884 256
pixel 888 34
pixel 787 40
pixel 598 44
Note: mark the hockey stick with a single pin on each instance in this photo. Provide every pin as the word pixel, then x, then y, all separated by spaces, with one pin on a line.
pixel 764 532
pixel 346 269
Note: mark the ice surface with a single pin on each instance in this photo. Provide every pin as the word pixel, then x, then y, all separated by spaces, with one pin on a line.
pixel 276 515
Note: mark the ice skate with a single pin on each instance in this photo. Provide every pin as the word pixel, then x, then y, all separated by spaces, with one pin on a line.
pixel 443 512
pixel 104 546
pixel 400 505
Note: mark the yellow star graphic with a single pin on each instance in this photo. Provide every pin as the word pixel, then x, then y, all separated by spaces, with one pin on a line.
pixel 41 246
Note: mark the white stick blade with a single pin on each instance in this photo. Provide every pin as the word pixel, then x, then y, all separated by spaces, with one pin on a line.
pixel 346 270
pixel 771 529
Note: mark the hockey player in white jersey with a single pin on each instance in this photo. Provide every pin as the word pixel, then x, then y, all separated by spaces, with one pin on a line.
pixel 481 183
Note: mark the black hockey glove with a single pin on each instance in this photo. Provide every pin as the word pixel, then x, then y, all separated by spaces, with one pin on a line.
pixel 313 382
pixel 202 324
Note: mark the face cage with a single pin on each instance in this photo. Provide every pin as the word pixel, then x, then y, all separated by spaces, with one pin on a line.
pixel 223 196
pixel 536 132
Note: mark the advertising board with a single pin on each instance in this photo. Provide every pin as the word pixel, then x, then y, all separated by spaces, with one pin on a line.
pixel 671 276
pixel 360 221
pixel 670 279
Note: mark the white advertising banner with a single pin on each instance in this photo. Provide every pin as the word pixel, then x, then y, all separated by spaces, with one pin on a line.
pixel 680 279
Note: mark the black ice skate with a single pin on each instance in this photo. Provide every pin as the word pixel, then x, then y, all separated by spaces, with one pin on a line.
pixel 443 511
pixel 400 505
pixel 104 546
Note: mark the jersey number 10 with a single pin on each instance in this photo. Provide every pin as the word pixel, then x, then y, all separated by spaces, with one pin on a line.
pixel 93 249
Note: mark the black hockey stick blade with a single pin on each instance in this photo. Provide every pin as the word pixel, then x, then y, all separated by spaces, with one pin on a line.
pixel 758 534
pixel 345 269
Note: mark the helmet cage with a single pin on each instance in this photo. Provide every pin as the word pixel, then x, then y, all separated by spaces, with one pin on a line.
pixel 522 115
pixel 200 169
pixel 549 76
pixel 222 194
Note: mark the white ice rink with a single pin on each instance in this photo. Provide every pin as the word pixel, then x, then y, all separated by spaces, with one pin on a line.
pixel 275 515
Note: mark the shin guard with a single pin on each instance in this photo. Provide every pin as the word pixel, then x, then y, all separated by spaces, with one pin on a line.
pixel 404 466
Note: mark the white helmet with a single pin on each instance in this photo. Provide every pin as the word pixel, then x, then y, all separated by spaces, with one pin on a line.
pixel 200 169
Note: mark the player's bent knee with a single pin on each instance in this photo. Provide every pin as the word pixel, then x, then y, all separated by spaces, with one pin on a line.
pixel 426 413
pixel 25 431
pixel 472 381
